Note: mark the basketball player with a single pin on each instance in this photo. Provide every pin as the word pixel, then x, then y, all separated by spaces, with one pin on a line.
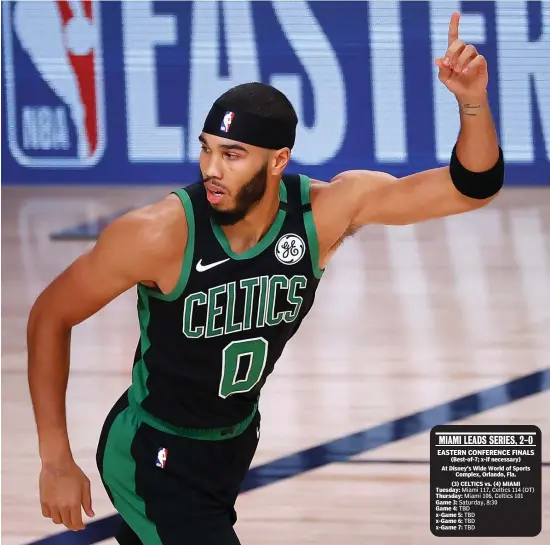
pixel 226 270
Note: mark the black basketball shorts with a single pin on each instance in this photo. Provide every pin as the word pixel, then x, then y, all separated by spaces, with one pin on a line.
pixel 169 489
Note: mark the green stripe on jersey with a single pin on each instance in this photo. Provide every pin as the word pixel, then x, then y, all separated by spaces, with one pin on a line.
pixel 138 389
pixel 187 256
pixel 311 230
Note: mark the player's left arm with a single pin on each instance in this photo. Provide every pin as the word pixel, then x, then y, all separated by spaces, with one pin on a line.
pixel 475 173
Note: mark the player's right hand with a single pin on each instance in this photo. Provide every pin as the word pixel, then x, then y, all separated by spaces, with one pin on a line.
pixel 64 491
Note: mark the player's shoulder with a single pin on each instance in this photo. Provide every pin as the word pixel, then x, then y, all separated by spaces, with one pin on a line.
pixel 153 218
pixel 159 228
pixel 161 213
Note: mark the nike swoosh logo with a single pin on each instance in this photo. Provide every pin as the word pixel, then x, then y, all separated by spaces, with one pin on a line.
pixel 202 268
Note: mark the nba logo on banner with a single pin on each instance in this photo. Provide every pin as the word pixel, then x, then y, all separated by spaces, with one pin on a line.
pixel 54 82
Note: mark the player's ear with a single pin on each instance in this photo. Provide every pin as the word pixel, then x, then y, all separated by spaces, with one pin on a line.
pixel 279 160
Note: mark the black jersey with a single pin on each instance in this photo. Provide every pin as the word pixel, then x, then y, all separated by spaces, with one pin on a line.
pixel 207 348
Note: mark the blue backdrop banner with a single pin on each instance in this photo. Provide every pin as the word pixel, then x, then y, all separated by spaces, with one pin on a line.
pixel 116 92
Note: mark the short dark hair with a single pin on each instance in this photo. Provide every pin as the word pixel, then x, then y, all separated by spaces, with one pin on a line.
pixel 260 99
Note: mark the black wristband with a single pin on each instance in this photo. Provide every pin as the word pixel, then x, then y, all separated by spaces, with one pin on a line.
pixel 477 185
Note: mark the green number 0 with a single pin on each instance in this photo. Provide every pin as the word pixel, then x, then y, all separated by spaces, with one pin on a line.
pixel 257 350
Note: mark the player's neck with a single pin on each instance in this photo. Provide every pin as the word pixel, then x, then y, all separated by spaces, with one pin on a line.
pixel 246 233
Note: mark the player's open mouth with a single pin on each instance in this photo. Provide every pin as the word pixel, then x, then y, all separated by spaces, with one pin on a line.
pixel 214 194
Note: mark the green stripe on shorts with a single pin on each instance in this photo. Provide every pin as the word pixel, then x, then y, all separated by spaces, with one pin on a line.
pixel 119 473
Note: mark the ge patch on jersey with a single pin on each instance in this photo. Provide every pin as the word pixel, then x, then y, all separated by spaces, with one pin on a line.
pixel 290 249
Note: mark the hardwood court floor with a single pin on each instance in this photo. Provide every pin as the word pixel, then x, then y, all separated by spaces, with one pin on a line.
pixel 406 318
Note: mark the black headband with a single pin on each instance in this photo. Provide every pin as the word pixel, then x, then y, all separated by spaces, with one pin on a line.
pixel 249 128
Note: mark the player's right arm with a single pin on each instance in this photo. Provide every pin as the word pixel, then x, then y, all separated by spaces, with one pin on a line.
pixel 141 246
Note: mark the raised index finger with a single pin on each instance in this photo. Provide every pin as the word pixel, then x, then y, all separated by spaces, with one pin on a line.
pixel 453 27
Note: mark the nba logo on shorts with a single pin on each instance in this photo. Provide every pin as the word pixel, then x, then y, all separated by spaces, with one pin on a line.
pixel 227 120
pixel 162 455
pixel 54 82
